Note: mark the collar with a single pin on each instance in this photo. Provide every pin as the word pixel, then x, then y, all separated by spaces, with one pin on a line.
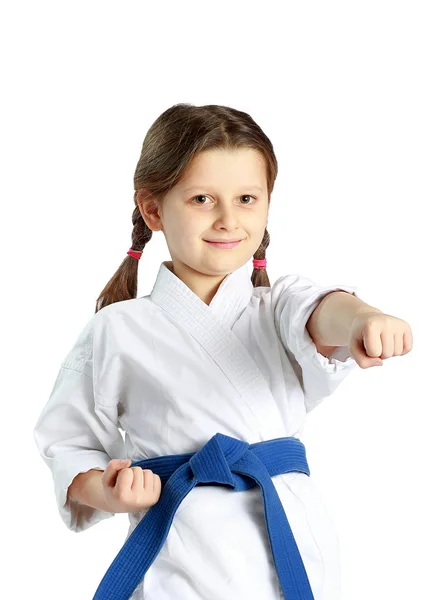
pixel 175 297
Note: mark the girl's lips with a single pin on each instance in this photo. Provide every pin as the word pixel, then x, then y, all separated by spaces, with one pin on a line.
pixel 223 245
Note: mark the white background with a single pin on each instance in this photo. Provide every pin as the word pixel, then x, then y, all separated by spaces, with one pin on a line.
pixel 350 95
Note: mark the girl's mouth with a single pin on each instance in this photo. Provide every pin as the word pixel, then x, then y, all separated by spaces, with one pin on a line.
pixel 223 245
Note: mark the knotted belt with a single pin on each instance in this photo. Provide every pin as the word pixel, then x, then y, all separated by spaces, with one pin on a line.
pixel 223 460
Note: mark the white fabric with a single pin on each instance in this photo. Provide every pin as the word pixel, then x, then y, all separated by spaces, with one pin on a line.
pixel 171 372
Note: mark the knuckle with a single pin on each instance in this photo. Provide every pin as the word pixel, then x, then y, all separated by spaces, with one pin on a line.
pixel 371 322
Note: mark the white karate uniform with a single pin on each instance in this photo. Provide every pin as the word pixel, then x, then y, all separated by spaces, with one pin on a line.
pixel 171 372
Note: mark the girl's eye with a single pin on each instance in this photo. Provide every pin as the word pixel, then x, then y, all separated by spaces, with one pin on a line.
pixel 204 196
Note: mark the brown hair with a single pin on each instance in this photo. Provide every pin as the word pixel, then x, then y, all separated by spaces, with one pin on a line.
pixel 173 140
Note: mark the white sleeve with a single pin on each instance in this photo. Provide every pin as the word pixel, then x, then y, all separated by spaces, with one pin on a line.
pixel 294 298
pixel 76 432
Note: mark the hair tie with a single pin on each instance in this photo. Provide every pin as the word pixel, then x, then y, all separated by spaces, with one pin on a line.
pixel 134 253
pixel 259 264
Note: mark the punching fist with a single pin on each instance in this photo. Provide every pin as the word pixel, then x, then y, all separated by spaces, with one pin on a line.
pixel 129 489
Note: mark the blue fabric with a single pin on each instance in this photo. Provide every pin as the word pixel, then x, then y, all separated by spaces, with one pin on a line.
pixel 223 460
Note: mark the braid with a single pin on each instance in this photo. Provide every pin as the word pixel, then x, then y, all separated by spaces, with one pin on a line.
pixel 141 233
pixel 259 276
pixel 124 283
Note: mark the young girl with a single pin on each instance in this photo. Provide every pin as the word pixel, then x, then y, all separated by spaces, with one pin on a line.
pixel 210 366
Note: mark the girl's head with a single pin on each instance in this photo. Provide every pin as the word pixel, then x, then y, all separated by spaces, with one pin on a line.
pixel 205 173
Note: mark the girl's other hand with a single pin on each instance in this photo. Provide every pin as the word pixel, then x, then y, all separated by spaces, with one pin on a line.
pixel 129 489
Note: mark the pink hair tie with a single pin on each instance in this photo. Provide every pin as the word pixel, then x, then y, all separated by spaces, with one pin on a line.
pixel 259 264
pixel 134 253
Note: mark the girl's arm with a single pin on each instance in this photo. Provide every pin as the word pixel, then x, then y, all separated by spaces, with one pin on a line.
pixel 78 431
pixel 294 298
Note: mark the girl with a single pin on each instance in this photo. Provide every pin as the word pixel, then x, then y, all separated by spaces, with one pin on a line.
pixel 211 360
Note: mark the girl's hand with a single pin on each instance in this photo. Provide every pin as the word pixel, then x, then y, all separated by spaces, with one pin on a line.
pixel 375 335
pixel 129 489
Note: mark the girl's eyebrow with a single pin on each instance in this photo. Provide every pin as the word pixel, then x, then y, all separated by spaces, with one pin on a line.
pixel 207 187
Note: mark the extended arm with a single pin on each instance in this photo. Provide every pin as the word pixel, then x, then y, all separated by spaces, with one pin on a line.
pixel 329 324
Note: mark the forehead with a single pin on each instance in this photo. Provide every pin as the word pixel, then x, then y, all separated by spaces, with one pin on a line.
pixel 242 167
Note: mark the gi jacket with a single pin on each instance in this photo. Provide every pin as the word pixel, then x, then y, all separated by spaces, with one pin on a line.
pixel 171 371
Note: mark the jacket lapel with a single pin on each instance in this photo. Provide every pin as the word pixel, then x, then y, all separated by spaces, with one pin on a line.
pixel 211 326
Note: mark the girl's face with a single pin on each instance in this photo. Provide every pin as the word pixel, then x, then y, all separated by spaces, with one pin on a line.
pixel 223 195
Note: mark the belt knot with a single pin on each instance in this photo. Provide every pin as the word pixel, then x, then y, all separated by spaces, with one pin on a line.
pixel 213 462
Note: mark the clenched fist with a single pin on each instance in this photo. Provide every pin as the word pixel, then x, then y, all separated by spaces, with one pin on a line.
pixel 129 489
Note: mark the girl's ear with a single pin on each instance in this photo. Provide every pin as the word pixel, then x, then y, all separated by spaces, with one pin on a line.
pixel 152 219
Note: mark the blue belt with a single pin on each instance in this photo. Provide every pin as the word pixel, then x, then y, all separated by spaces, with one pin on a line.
pixel 223 460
